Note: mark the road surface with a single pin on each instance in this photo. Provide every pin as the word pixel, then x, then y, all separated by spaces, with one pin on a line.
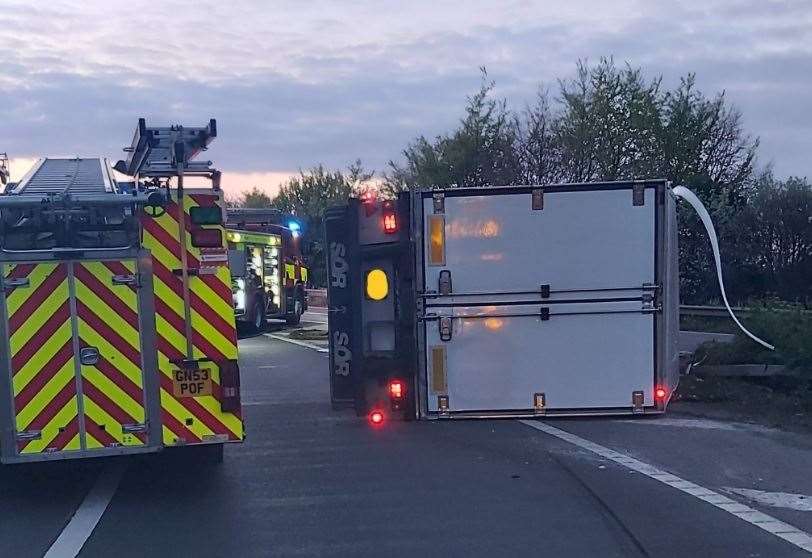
pixel 313 482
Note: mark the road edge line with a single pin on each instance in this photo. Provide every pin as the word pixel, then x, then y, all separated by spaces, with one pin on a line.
pixel 297 342
pixel 789 533
pixel 87 516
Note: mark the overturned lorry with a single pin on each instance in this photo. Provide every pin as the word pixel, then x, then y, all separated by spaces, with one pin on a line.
pixel 512 301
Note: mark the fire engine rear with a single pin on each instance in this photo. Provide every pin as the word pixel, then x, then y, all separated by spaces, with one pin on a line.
pixel 117 332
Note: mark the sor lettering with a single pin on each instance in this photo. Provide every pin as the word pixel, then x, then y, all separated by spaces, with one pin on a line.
pixel 342 354
pixel 338 265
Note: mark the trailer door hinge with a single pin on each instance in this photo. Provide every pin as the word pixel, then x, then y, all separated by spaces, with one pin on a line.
pixel 537 197
pixel 446 328
pixel 545 291
pixel 439 203
pixel 639 193
pixel 442 404
pixel 637 401
pixel 544 313
pixel 539 403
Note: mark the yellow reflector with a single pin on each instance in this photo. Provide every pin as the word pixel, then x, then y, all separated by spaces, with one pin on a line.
pixel 377 284
pixel 436 240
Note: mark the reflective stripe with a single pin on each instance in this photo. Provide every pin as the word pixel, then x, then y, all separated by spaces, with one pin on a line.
pixel 214 336
pixel 42 360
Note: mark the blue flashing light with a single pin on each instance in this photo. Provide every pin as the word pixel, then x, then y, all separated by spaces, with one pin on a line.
pixel 294 226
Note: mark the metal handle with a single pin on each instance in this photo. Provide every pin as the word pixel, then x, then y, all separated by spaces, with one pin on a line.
pixel 125 280
pixel 89 356
pixel 16 282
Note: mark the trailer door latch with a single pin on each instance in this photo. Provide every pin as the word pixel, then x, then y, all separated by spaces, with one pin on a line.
pixel 444 280
pixel 639 193
pixel 439 203
pixel 537 199
pixel 446 328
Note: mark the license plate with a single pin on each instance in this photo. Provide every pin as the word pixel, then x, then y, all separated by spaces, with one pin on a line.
pixel 191 382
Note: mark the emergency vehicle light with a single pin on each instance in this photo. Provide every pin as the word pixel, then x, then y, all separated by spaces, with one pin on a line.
pixel 207 238
pixel 377 284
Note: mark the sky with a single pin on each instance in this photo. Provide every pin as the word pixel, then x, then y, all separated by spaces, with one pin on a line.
pixel 294 84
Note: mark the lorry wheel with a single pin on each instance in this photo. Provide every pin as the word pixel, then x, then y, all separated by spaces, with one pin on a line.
pixel 296 317
pixel 259 322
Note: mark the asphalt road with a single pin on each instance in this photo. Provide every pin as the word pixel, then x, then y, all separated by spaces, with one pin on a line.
pixel 309 481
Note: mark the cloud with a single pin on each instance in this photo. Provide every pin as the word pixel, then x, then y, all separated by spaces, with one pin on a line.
pixel 298 84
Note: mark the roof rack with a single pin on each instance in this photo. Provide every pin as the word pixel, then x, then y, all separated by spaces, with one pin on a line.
pixel 166 151
pixel 5 172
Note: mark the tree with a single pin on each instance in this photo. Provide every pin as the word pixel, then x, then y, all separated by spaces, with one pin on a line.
pixel 607 123
pixel 482 151
pixel 255 198
pixel 308 195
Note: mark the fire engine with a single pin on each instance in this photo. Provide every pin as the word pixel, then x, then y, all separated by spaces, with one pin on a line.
pixel 117 328
pixel 268 273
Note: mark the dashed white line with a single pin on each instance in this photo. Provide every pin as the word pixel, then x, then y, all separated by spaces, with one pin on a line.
pixel 75 534
pixel 785 531
pixel 788 500
pixel 297 342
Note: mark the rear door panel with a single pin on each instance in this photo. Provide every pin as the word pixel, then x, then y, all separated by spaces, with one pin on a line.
pixel 108 324
pixel 595 252
pixel 192 420
pixel 498 363
pixel 580 240
pixel 41 351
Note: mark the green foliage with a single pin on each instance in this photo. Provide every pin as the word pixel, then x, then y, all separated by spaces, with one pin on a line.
pixel 611 123
pixel 255 198
pixel 307 196
pixel 788 327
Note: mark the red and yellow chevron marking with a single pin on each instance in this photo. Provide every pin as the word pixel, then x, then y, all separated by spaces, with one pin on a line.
pixel 214 336
pixel 42 360
pixel 113 388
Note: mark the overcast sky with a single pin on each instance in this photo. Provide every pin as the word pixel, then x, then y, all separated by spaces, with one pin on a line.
pixel 293 84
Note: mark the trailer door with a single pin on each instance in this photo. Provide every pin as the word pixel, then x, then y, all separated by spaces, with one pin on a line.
pixel 536 297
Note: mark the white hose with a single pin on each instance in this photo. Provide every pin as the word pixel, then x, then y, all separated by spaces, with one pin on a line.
pixel 690 197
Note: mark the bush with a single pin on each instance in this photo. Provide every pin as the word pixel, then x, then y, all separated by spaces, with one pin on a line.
pixel 788 327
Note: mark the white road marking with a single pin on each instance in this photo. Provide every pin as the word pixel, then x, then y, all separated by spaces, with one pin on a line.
pixel 706 424
pixel 798 502
pixel 75 534
pixel 785 531
pixel 297 342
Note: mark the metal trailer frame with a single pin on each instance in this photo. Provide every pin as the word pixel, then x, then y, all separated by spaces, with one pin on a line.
pixel 666 317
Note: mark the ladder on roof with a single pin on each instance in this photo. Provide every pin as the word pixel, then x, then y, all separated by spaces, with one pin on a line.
pixel 63 177
pixel 5 171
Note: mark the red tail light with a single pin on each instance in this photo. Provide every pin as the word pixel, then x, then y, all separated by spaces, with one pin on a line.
pixel 207 238
pixel 390 223
pixel 376 417
pixel 396 389
pixel 230 386
pixel 659 393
